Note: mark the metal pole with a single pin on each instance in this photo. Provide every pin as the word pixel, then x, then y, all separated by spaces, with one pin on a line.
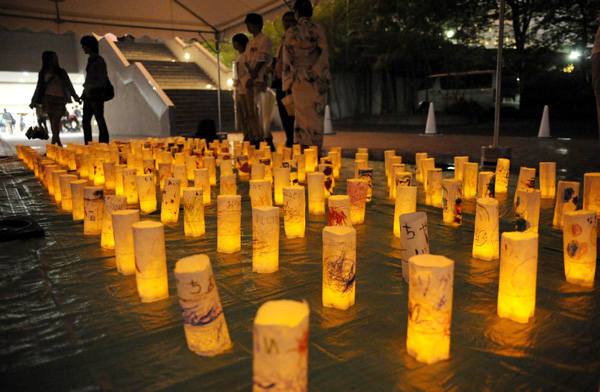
pixel 218 44
pixel 499 73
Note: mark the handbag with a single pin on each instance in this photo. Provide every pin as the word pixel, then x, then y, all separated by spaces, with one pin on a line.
pixel 288 102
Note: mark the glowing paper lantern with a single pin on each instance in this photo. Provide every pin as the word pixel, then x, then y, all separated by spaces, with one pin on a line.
pixel 277 160
pixel 527 209
pixel 387 154
pixel 179 158
pixel 203 318
pixel 149 166
pixel 414 236
pixel 265 239
pixel 429 308
pixel 226 166
pixel 339 267
pixel 367 175
pixel 164 171
pixel 361 156
pixel 56 174
pixel 260 193
pixel 292 165
pixel 119 180
pixel 452 202
pixel 112 203
pixel 316 193
pixel 329 182
pixel 258 172
pixel 486 238
pixel 201 180
pixel 193 207
pixel 129 186
pixel 333 155
pixel 567 197
pixel 418 171
pixel 77 191
pixel 93 205
pixel 526 180
pixel 486 186
pixel 150 260
pixel 470 170
pixel 426 164
pixel 109 175
pixel 338 211
pixel 458 166
pixel 229 218
pixel 548 179
pixel 228 184
pixel 171 200
pixel 243 168
pixel 280 360
pixel 395 170
pixel 433 196
pixel 209 163
pixel 310 160
pixel 357 192
pixel 281 179
pixel 123 221
pixel 502 174
pixel 48 180
pixel 65 189
pixel 98 171
pixel 406 202
pixel 180 172
pixel 190 166
pixel 518 275
pixel 146 193
pixel 580 234
pixel 301 163
pixel 294 211
pixel 358 165
pixel 591 192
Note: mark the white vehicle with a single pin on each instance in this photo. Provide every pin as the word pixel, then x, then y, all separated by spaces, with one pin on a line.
pixel 445 90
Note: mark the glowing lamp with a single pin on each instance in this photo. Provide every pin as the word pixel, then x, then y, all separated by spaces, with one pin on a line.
pixel 277 160
pixel 310 160
pixel 414 236
pixel 56 174
pixel 486 239
pixel 149 169
pixel 316 193
pixel 339 267
pixel 265 239
pixel 243 168
pixel 486 186
pixel 204 322
pixel 358 165
pixel 150 260
pixel 526 180
pixel 459 165
pixel 518 275
pixel 502 175
pixel 395 170
pixel 98 171
pixel 567 197
pixel 180 172
pixel 426 164
pixel 527 209
pixel 281 177
pixel 328 181
pixel 338 211
pixel 190 166
pixel 433 195
pixel 333 155
pixel 71 160
pixel 580 232
pixel 548 180
pixel 179 158
pixel 146 193
pixel 193 217
pixel 123 221
pixel 65 190
pixel 258 171
pixel 418 172
pixel 429 308
pixel 387 154
pixel 201 180
pixel 130 186
pixel 112 203
pixel 294 211
pixel 119 180
pixel 209 163
pixel 470 174
pixel 406 202
pixel 171 200
pixel 357 190
pixel 452 202
pixel 361 156
pixel 77 190
pixel 48 180
pixel 591 192
pixel 93 205
pixel 260 193
pixel 109 175
pixel 165 170
pixel 226 166
pixel 228 185
pixel 229 218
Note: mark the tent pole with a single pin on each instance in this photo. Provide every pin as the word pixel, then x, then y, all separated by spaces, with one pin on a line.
pixel 499 74
pixel 218 44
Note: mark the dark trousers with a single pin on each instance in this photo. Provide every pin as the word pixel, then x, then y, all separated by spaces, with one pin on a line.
pixel 596 83
pixel 286 120
pixel 96 109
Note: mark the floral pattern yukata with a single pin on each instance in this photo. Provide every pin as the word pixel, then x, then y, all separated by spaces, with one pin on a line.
pixel 306 73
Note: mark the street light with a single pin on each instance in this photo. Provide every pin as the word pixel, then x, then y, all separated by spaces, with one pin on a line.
pixel 450 33
pixel 574 55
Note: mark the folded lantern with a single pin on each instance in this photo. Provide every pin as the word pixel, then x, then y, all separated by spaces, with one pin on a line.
pixel 171 201
pixel 580 232
pixel 229 215
pixel 452 202
pixel 414 236
pixel 548 179
pixel 357 190
pixel 123 221
pixel 406 202
pixel 316 193
pixel 265 239
pixel 146 193
pixel 527 209
pixel 567 197
pixel 150 260
pixel 339 267
pixel 486 237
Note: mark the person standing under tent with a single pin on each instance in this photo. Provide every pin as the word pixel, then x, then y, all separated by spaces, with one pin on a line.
pixel 96 79
pixel 246 117
pixel 306 72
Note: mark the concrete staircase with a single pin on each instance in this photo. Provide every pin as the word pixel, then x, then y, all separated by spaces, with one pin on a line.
pixel 190 89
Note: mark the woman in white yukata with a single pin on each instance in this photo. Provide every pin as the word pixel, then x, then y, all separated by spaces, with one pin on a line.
pixel 306 73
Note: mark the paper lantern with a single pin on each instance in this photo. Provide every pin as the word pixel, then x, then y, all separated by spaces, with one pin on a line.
pixel 112 203
pixel 258 172
pixel 84 167
pixel 294 211
pixel 338 211
pixel 393 160
pixel 243 168
pixel 361 156
pixel 426 164
pixel 316 193
pixel 98 171
pixel 470 174
pixel 130 186
pixel 193 207
pixel 164 171
pixel 395 170
pixel 149 166
pixel 367 175
pixel 93 205
pixel 486 186
pixel 109 175
pixel 265 239
pixel 56 174
pixel 548 179
pixel 260 193
pixel 171 200
pixel 209 163
pixel 387 154
pixel 406 202
pixel 526 180
pixel 123 221
pixel 229 218
pixel 580 234
pixel 179 158
pixel 281 179
pixel 502 175
pixel 150 260
pixel 433 196
pixel 180 172
pixel 429 308
pixel 328 181
pixel 280 361
pixel 333 155
pixel 339 267
pixel 226 166
pixel 204 322
pixel 228 184
pixel 527 209
pixel 459 165
pixel 146 193
pixel 190 166
pixel 357 192
pixel 277 160
pixel 292 165
pixel 486 238
pixel 119 180
pixel 201 180
pixel 310 160
pixel 65 189
pixel 71 160
pixel 518 275
pixel 452 202
pixel 418 171
pixel 268 169
pixel 48 179
pixel 414 236
pixel 567 197
pixel 77 190
pixel 591 192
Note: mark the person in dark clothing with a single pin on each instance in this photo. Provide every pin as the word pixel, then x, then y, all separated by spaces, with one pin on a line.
pixel 96 78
